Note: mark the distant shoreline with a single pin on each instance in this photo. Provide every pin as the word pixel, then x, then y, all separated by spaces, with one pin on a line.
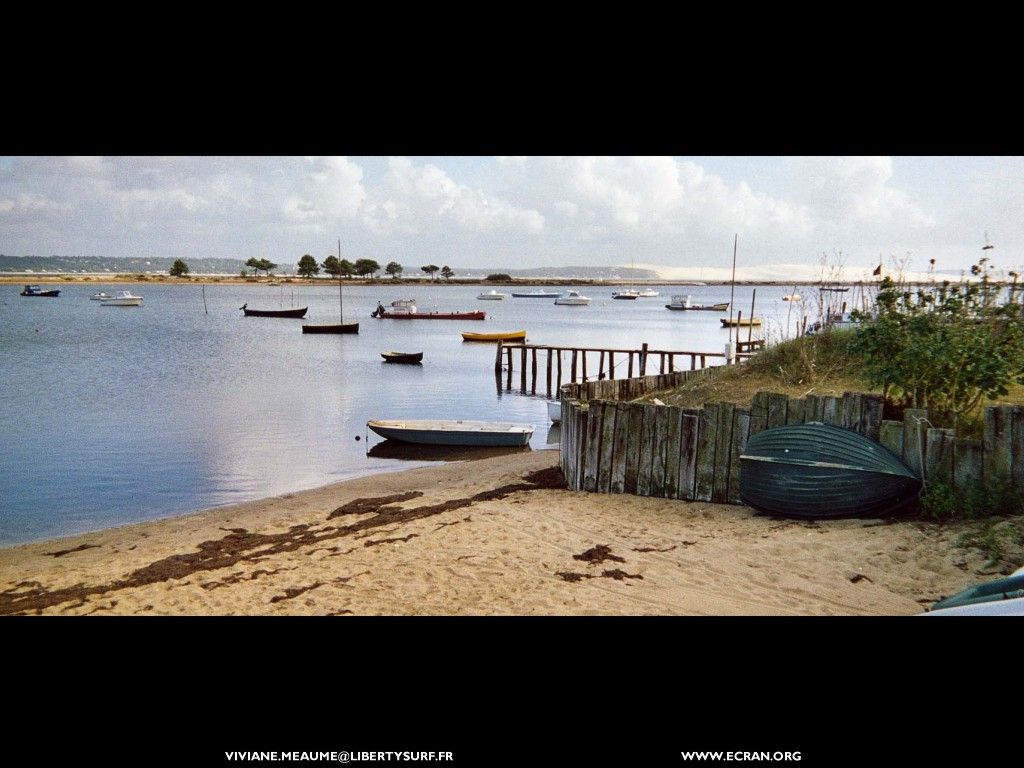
pixel 35 278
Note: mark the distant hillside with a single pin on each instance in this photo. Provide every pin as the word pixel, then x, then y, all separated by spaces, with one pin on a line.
pixel 586 273
pixel 119 265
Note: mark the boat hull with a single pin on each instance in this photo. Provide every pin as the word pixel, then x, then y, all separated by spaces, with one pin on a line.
pixel 555 410
pixel 405 358
pixel 817 471
pixel 122 303
pixel 472 433
pixel 293 313
pixel 1009 588
pixel 433 316
pixel 336 328
pixel 709 308
pixel 491 337
pixel 42 294
pixel 535 295
pixel 727 323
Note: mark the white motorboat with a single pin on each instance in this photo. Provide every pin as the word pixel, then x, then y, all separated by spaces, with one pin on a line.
pixel 572 299
pixel 647 293
pixel 491 296
pixel 791 297
pixel 628 294
pixel 555 410
pixel 122 299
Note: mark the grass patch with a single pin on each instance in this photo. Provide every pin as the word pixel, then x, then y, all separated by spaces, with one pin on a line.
pixel 1001 542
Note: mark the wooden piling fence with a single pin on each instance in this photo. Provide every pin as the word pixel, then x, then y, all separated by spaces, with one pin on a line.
pixel 612 445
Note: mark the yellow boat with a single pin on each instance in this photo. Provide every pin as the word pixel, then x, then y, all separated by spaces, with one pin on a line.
pixel 507 336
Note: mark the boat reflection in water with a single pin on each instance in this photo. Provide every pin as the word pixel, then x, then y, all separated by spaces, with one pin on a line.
pixel 396 449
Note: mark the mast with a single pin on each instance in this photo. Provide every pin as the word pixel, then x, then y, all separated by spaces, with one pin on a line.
pixel 732 291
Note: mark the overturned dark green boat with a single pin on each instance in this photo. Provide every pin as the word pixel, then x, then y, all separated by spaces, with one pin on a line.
pixel 816 470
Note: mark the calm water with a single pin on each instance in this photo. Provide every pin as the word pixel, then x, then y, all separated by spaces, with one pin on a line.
pixel 113 415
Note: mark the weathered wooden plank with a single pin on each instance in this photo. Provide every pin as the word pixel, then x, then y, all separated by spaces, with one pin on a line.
pixel 968 464
pixel 563 442
pixel 592 447
pixel 707 432
pixel 675 416
pixel 617 482
pixel 1017 447
pixel 723 452
pixel 890 435
pixel 569 446
pixel 740 433
pixel 604 464
pixel 851 408
pixel 872 408
pixel 998 443
pixel 832 412
pixel 659 453
pixel 777 404
pixel 759 412
pixel 688 430
pixel 938 455
pixel 913 438
pixel 581 435
pixel 795 411
pixel 647 450
pixel 633 441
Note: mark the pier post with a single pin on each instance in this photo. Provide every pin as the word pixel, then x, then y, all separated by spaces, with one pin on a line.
pixel 533 381
pixel 559 385
pixel 611 364
pixel 573 368
pixel 550 351
pixel 643 359
pixel 583 354
pixel 522 371
pixel 629 374
pixel 600 366
pixel 497 358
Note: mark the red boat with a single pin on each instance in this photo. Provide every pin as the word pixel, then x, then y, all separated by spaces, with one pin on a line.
pixel 405 309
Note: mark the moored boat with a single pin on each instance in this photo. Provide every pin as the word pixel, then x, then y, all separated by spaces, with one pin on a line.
pixel 572 299
pixel 817 470
pixel 791 297
pixel 647 293
pixel 680 303
pixel 627 295
pixel 740 322
pixel 35 290
pixel 542 294
pixel 555 410
pixel 453 432
pixel 332 328
pixel 341 326
pixel 491 295
pixel 122 299
pixel 409 358
pixel 405 309
pixel 297 312
pixel 506 336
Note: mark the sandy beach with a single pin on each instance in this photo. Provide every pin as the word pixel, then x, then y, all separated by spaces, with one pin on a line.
pixel 496 536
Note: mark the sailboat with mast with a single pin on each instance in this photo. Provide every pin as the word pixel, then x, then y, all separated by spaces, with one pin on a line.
pixel 341 326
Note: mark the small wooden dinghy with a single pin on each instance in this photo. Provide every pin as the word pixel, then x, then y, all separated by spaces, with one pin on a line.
pixel 299 312
pixel 409 358
pixel 453 432
pixel 329 328
pixel 738 322
pixel 506 336
pixel 817 470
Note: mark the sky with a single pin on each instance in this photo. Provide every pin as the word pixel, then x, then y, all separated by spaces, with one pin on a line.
pixel 677 215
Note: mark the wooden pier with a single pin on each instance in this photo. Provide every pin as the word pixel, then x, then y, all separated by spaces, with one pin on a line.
pixel 572 367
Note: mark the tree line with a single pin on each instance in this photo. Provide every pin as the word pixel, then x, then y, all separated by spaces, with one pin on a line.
pixel 332 265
